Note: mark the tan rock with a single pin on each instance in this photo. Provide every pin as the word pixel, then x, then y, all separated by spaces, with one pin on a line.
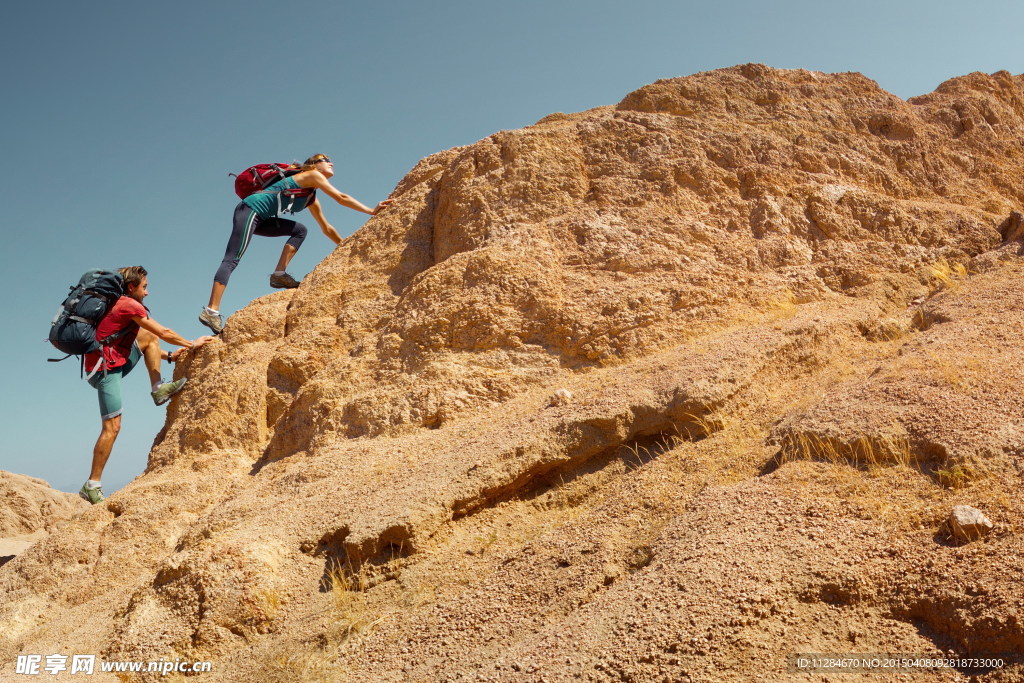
pixel 29 511
pixel 748 282
pixel 560 397
pixel 968 523
pixel 30 505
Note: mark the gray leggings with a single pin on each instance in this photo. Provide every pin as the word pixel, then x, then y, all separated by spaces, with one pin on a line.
pixel 246 224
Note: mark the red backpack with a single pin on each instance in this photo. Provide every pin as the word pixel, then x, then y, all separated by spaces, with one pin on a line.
pixel 255 178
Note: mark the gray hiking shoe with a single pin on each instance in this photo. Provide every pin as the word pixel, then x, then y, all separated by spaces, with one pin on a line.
pixel 164 392
pixel 215 321
pixel 93 495
pixel 283 281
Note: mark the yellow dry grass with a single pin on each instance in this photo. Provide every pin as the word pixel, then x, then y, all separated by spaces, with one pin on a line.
pixel 945 276
pixel 864 451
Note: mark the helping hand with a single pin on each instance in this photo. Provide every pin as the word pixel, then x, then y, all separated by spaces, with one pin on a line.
pixel 175 355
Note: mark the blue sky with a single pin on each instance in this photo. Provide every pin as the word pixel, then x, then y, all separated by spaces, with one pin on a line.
pixel 121 121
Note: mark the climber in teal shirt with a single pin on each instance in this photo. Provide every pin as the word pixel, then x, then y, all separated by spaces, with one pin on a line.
pixel 259 214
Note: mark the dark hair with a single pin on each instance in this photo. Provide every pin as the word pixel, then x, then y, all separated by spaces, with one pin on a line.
pixel 132 275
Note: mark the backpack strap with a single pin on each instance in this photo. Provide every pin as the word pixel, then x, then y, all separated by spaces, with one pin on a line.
pixel 101 363
pixel 56 360
pixel 111 338
pixel 105 342
pixel 111 299
pixel 283 173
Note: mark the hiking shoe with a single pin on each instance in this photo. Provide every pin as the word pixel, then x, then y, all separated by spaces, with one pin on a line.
pixel 283 281
pixel 164 392
pixel 215 321
pixel 93 495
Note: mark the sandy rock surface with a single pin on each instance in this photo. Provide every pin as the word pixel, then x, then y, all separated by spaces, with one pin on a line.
pixel 30 510
pixel 674 389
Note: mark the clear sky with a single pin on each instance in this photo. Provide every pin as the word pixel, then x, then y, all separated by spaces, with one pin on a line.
pixel 121 121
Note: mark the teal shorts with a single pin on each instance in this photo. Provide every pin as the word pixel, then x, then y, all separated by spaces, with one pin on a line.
pixel 108 385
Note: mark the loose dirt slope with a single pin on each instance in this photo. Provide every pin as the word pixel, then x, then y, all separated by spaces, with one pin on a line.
pixel 667 390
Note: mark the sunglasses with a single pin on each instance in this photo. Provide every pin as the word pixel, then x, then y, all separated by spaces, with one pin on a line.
pixel 327 159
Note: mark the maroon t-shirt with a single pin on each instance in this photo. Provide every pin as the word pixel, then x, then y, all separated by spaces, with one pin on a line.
pixel 117 318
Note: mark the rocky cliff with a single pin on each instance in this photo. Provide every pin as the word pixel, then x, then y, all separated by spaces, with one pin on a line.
pixel 673 388
pixel 30 509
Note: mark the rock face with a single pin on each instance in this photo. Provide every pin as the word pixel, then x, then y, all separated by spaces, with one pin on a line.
pixel 30 505
pixel 30 510
pixel 784 308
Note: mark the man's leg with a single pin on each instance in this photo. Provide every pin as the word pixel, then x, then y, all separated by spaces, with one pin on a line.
pixel 108 389
pixel 104 445
pixel 149 345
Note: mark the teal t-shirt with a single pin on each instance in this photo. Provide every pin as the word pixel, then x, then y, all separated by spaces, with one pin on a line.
pixel 275 199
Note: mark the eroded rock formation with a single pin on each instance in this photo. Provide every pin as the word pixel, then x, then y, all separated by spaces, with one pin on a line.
pixel 784 306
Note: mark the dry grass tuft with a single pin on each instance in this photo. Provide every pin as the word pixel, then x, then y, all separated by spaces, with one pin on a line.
pixel 269 601
pixel 309 664
pixel 961 475
pixel 861 452
pixel 945 276
pixel 348 589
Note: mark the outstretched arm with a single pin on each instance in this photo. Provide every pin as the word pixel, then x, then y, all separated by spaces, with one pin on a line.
pixel 319 181
pixel 169 335
pixel 317 212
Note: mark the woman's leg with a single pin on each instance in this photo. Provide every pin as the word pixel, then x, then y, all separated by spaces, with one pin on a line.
pixel 243 226
pixel 215 295
pixel 279 227
pixel 286 257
